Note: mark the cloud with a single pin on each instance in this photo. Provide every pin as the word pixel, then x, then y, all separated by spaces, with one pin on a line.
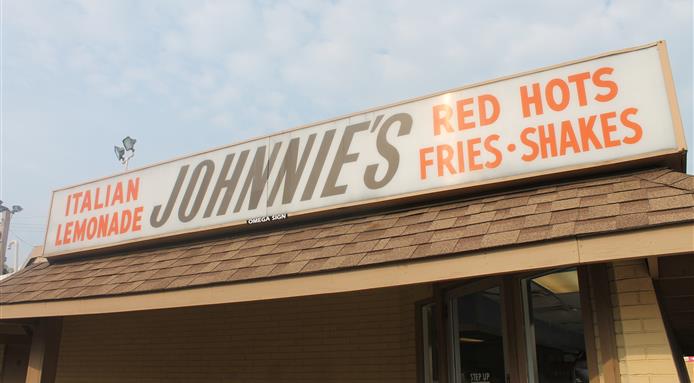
pixel 335 57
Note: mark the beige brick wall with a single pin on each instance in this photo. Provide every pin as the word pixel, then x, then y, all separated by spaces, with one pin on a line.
pixel 356 337
pixel 642 344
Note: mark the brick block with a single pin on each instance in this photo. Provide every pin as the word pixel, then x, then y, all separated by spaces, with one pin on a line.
pixel 667 378
pixel 653 325
pixel 641 339
pixel 626 271
pixel 635 379
pixel 633 284
pixel 631 353
pixel 650 367
pixel 631 326
pixel 659 352
pixel 647 297
pixel 637 312
pixel 626 299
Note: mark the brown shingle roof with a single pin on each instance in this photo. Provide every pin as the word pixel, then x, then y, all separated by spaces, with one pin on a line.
pixel 597 205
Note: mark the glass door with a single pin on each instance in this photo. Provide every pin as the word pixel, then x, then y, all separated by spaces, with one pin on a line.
pixel 478 341
pixel 554 328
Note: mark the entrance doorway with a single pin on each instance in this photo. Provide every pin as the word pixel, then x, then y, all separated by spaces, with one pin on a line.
pixel 553 323
pixel 525 327
pixel 477 338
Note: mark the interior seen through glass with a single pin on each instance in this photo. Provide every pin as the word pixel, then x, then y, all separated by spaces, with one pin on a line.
pixel 480 337
pixel 554 327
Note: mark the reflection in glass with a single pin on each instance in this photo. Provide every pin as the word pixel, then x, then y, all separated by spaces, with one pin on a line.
pixel 430 340
pixel 554 328
pixel 480 337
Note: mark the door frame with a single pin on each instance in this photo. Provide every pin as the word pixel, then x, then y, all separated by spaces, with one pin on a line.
pixel 513 312
pixel 453 351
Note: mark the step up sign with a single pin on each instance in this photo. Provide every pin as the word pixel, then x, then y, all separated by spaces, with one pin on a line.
pixel 611 108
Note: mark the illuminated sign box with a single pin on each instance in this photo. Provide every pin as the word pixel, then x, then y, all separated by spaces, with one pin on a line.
pixel 612 108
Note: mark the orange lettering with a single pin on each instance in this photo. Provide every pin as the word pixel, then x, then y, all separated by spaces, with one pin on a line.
pixel 126 217
pixel 86 201
pixel 547 139
pixel 568 139
pixel 133 189
pixel 107 201
pixel 473 154
pixel 67 205
pixel 579 79
pixel 534 149
pixel 78 234
pixel 461 156
pixel 113 227
pixel 534 99
pixel 444 156
pixel 424 162
pixel 67 236
pixel 118 194
pixel 58 241
pixel 586 130
pixel 491 149
pixel 610 85
pixel 442 121
pixel 608 129
pixel 638 131
pixel 137 217
pixel 564 90
pixel 103 226
pixel 97 205
pixel 464 113
pixel 484 118
pixel 91 228
pixel 77 197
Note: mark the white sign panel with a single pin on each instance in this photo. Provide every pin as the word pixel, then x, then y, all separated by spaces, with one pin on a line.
pixel 607 109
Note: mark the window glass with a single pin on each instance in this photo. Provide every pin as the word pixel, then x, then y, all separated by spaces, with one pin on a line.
pixel 554 328
pixel 479 341
pixel 430 343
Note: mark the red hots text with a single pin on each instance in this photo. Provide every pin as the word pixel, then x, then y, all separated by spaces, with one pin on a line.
pixel 488 144
pixel 280 173
pixel 108 224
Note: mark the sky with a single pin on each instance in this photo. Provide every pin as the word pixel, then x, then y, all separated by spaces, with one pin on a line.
pixel 182 77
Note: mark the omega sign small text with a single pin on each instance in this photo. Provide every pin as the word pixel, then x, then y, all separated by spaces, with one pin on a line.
pixel 267 218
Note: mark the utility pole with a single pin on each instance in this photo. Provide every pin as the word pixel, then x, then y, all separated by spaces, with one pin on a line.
pixel 6 215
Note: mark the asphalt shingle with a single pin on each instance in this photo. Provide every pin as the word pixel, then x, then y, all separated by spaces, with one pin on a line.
pixel 597 205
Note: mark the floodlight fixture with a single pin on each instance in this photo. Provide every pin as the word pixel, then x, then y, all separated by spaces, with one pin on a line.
pixel 126 152
pixel 13 210
pixel 129 143
pixel 120 153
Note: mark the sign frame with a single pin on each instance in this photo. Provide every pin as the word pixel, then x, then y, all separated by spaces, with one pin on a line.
pixel 674 158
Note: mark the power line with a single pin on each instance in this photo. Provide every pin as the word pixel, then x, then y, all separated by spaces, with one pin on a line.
pixel 22 239
pixel 26 226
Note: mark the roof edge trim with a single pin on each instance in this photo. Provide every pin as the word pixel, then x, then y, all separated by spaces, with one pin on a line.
pixel 664 240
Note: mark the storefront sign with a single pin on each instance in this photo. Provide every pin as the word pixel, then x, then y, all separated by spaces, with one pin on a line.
pixel 612 108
